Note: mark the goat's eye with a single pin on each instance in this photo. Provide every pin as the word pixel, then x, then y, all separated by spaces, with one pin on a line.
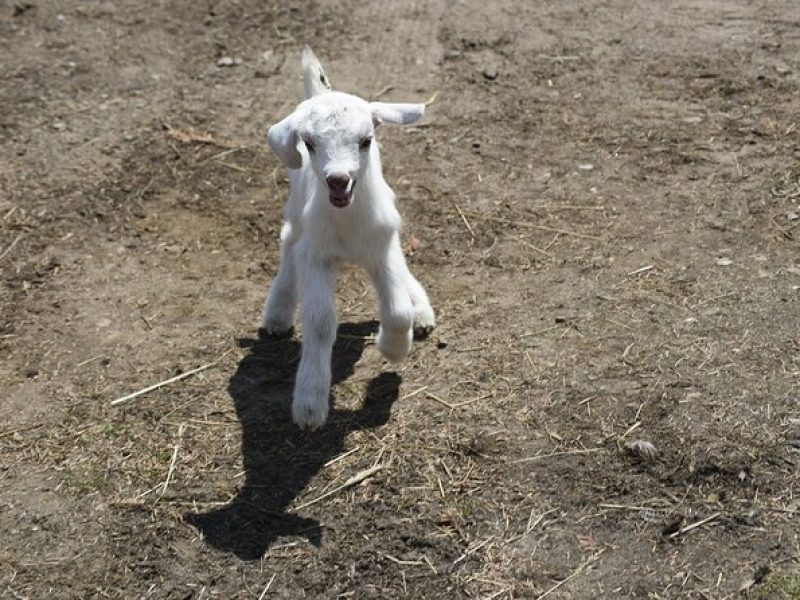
pixel 365 143
pixel 309 146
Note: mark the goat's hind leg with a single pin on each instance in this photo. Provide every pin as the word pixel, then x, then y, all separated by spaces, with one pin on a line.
pixel 279 307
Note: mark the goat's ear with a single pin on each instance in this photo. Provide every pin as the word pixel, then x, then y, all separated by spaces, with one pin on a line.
pixel 282 139
pixel 399 114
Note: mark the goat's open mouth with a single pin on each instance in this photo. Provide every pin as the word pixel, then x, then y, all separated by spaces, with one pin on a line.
pixel 342 198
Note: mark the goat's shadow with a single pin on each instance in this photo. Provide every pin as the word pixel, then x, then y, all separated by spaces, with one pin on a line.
pixel 279 458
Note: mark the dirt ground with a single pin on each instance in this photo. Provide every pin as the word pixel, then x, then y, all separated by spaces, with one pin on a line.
pixel 603 203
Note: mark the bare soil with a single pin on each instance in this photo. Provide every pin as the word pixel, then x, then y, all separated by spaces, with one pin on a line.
pixel 603 203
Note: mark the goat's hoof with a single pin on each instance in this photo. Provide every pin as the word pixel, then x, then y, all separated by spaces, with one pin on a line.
pixel 424 323
pixel 276 327
pixel 394 348
pixel 421 332
pixel 309 414
pixel 264 333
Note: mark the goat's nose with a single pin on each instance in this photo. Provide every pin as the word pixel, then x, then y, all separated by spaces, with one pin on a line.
pixel 338 182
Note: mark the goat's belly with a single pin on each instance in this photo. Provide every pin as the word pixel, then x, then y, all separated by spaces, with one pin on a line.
pixel 354 251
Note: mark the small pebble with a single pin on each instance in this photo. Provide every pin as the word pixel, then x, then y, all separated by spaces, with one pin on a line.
pixel 490 73
pixel 229 61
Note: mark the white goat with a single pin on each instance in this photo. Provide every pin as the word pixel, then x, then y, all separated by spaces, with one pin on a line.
pixel 340 209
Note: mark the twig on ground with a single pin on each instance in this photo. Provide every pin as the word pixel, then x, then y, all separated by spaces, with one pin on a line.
pixel 439 400
pixel 536 248
pixel 779 509
pixel 141 495
pixel 181 429
pixel 633 508
pixel 266 587
pixel 357 478
pixel 472 550
pixel 10 246
pixel 471 400
pixel 430 564
pixel 341 456
pixel 631 429
pixel 565 58
pixel 642 270
pixel 161 384
pixel 529 528
pixel 433 98
pixel 88 360
pixel 566 207
pixel 695 525
pixel 539 331
pixel 405 563
pixel 463 218
pixel 349 336
pixel 415 392
pixel 224 153
pixel 384 90
pixel 233 166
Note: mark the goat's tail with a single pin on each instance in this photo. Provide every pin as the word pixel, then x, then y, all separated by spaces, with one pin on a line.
pixel 314 79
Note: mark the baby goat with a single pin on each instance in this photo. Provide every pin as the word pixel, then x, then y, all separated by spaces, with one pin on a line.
pixel 340 209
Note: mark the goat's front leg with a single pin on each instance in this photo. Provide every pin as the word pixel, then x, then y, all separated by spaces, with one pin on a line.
pixel 424 318
pixel 390 275
pixel 313 383
pixel 278 314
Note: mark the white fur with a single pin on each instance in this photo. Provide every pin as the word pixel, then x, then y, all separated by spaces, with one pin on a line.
pixel 318 236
